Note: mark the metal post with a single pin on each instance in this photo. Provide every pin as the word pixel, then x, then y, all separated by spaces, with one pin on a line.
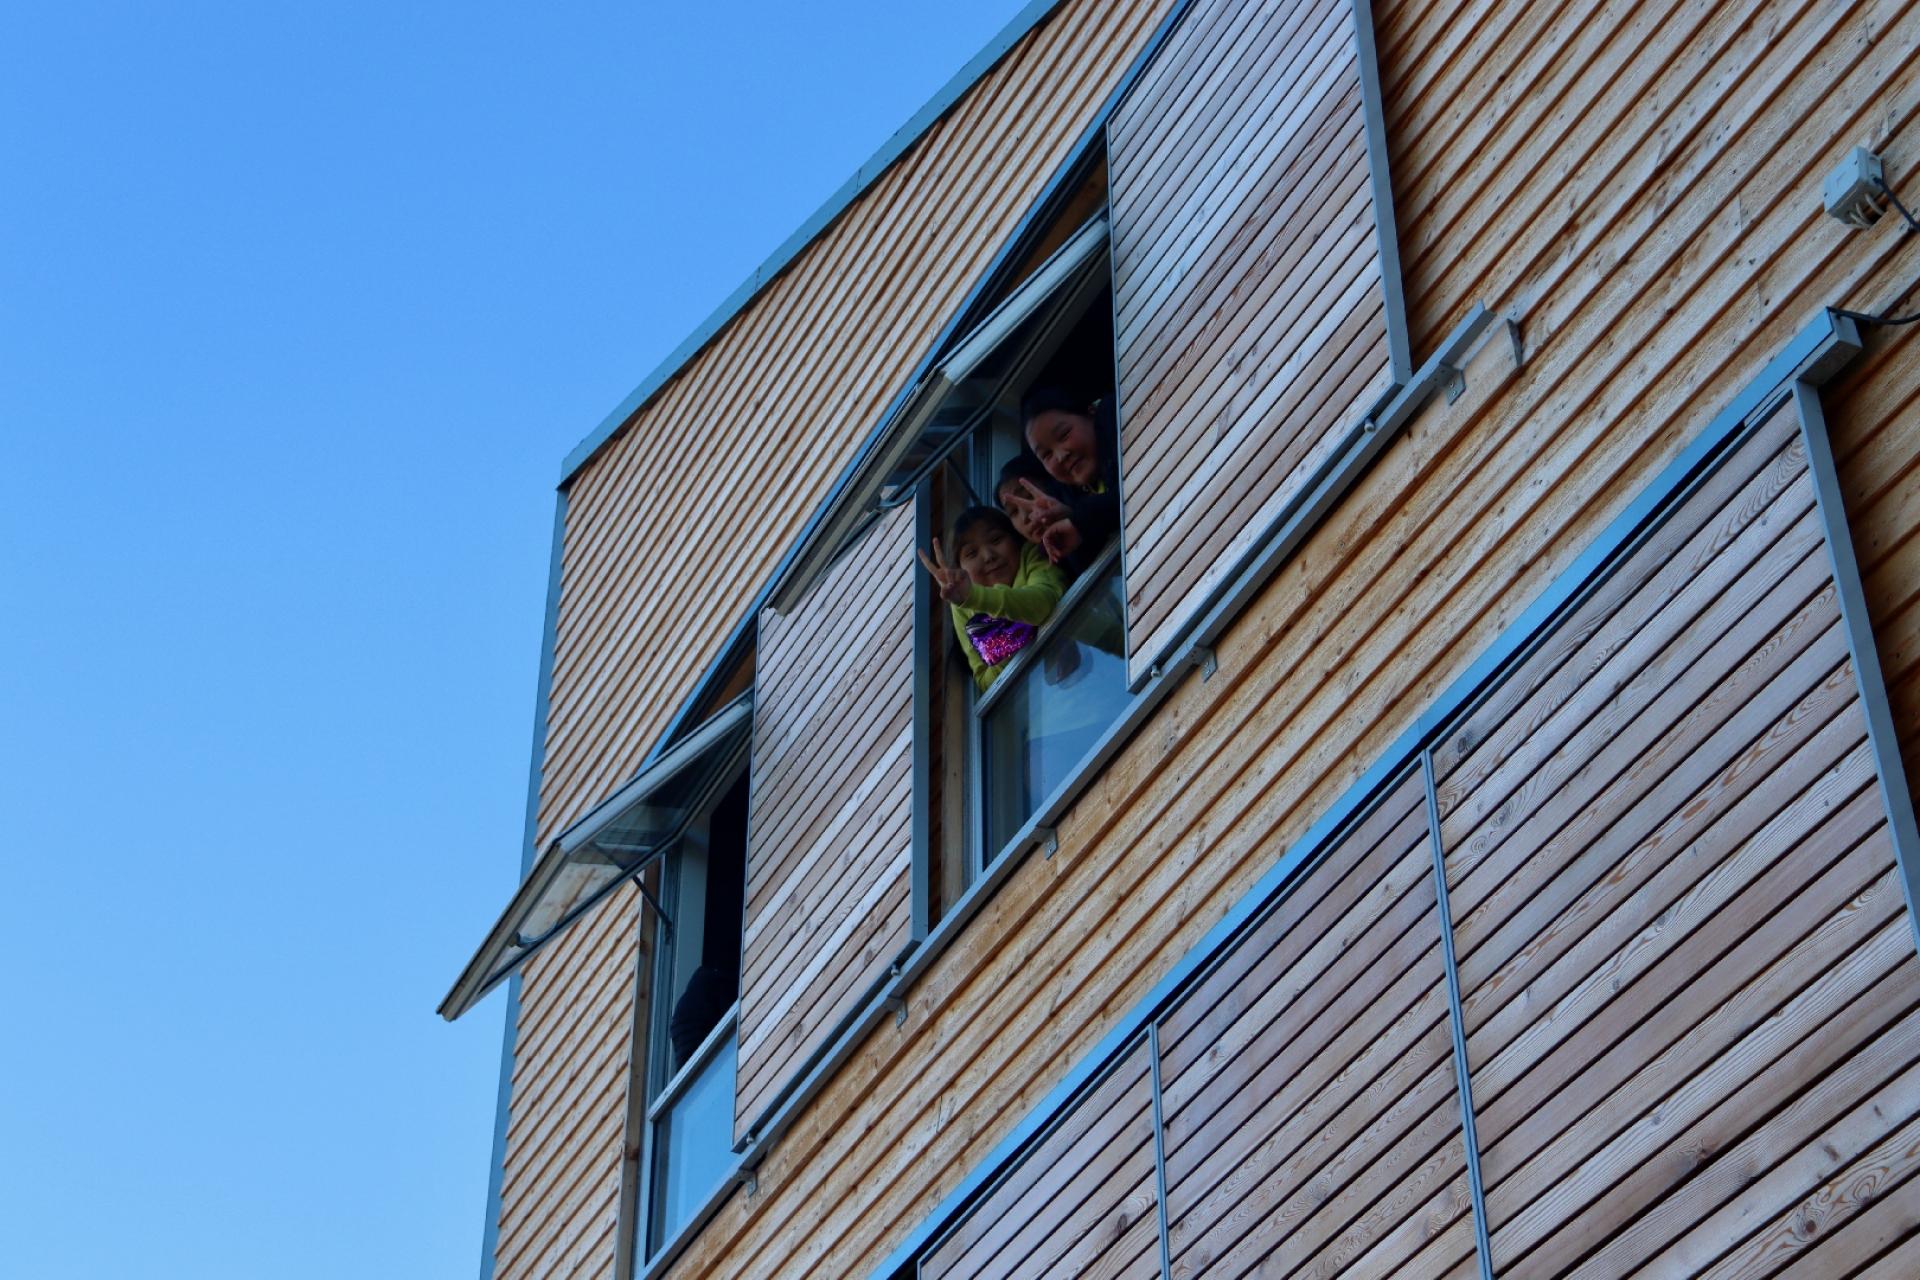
pixel 1856 622
pixel 1457 1021
pixel 924 656
pixel 1159 1150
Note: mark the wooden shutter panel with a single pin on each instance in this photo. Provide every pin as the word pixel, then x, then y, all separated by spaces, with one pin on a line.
pixel 1082 1202
pixel 830 845
pixel 1257 315
pixel 1692 1002
pixel 1311 1108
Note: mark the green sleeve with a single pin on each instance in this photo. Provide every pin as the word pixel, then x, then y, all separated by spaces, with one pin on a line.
pixel 1036 589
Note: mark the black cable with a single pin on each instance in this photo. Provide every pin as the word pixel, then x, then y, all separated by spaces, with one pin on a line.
pixel 1864 318
pixel 1883 318
pixel 1887 191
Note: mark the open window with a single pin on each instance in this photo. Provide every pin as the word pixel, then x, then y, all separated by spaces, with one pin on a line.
pixel 617 841
pixel 1005 736
pixel 687 1073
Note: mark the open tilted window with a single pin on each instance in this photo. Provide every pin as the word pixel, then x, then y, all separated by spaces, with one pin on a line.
pixel 625 833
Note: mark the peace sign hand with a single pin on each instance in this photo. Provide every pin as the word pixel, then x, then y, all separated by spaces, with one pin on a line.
pixel 1044 507
pixel 951 579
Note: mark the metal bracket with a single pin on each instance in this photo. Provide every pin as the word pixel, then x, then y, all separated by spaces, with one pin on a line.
pixel 898 1006
pixel 1204 658
pixel 1517 342
pixel 748 1176
pixel 640 883
pixel 1047 838
pixel 1451 380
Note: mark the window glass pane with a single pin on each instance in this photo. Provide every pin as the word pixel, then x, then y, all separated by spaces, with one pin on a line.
pixel 694 1143
pixel 700 955
pixel 687 938
pixel 1063 700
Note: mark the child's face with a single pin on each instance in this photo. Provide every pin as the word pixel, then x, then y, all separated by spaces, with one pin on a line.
pixel 1019 510
pixel 990 556
pixel 1065 445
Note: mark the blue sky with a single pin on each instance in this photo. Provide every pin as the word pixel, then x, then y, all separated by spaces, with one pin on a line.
pixel 300 308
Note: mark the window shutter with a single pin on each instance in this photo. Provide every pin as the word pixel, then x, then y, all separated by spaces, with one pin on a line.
pixel 1315 1063
pixel 830 844
pixel 1671 866
pixel 1083 1202
pixel 1257 310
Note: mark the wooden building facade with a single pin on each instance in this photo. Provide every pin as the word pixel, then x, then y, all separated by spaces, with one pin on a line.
pixel 1461 826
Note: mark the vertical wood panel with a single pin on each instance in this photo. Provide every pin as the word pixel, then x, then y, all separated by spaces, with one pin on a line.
pixel 830 845
pixel 1247 289
pixel 1312 1113
pixel 1082 1202
pixel 1682 940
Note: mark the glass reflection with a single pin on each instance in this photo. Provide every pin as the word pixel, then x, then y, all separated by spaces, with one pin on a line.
pixel 695 1137
pixel 1062 702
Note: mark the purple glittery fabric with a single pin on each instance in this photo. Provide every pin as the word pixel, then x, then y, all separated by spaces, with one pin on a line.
pixel 997 639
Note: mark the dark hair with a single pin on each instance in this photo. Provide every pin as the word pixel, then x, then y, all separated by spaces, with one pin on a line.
pixel 1039 400
pixel 972 518
pixel 1023 466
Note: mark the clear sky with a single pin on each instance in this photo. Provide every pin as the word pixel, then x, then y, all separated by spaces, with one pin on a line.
pixel 300 308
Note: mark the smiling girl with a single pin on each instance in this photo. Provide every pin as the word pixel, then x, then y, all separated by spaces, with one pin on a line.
pixel 1001 589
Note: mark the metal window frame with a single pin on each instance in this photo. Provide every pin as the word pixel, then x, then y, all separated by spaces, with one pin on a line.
pixel 1047 293
pixel 1882 736
pixel 656 1113
pixel 656 1090
pixel 1062 614
pixel 481 973
pixel 1812 357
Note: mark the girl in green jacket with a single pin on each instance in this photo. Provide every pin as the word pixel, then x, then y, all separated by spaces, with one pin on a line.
pixel 1000 589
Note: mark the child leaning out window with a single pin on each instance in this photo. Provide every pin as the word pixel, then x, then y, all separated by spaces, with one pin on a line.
pixel 1001 589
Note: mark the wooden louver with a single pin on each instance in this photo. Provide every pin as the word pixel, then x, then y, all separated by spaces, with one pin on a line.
pixel 1084 1201
pixel 1312 1112
pixel 830 843
pixel 1684 953
pixel 1256 312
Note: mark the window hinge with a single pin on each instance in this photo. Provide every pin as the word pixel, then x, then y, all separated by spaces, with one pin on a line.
pixel 1048 839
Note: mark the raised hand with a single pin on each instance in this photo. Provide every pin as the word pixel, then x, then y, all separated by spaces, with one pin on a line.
pixel 1060 540
pixel 1045 508
pixel 952 581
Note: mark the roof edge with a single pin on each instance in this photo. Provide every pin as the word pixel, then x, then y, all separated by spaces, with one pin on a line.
pixel 776 263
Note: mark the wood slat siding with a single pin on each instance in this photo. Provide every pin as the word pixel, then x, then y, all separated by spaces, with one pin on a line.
pixel 1684 953
pixel 1637 184
pixel 1249 313
pixel 1081 1203
pixel 1312 1113
pixel 652 582
pixel 830 844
